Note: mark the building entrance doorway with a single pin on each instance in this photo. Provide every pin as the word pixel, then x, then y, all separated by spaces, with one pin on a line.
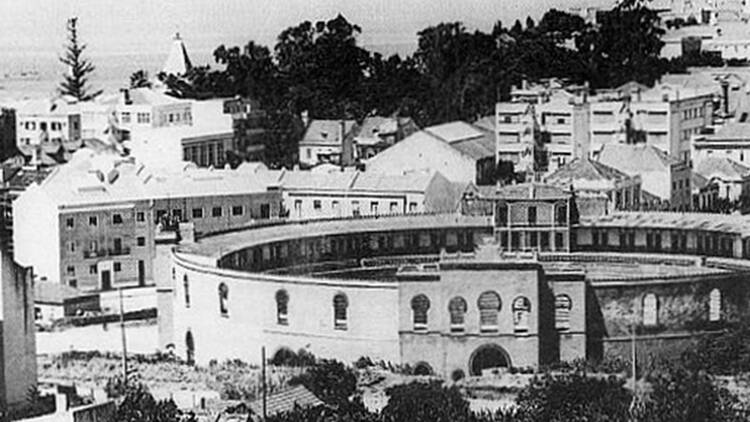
pixel 487 357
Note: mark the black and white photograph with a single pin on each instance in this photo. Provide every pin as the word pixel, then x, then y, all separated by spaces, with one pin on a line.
pixel 374 210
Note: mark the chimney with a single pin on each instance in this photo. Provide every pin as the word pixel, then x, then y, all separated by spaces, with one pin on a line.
pixel 61 403
pixel 126 96
pixel 347 146
pixel 725 94
pixel 305 116
pixel 524 84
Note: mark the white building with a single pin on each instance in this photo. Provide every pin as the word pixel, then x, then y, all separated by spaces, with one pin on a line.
pixel 142 108
pixel 726 173
pixel 47 126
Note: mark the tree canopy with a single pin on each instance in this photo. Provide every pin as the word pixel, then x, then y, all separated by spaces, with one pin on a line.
pixel 75 81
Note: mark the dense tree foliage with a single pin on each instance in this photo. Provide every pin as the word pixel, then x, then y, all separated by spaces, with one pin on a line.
pixel 139 79
pixel 453 74
pixel 425 402
pixel 75 80
pixel 331 381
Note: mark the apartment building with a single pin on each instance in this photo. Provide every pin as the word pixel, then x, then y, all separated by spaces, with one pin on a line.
pixel 732 140
pixel 99 213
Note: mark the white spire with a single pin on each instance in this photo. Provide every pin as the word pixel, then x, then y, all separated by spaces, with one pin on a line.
pixel 178 62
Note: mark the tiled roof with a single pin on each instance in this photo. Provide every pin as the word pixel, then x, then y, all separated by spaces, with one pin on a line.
pixel 218 245
pixel 728 223
pixel 721 167
pixel 107 178
pixel 327 132
pixel 585 169
pixel 455 131
pixel 634 159
pixel 287 400
pixel 477 148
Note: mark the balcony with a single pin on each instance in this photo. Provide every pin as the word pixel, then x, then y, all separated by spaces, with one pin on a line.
pixel 120 251
pixel 94 254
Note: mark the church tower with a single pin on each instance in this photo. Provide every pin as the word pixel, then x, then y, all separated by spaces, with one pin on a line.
pixel 178 62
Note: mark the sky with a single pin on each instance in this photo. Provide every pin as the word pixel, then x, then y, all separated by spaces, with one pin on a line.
pixel 37 27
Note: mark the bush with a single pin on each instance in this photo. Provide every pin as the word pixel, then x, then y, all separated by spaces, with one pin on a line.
pixel 573 396
pixel 330 381
pixel 286 357
pixel 425 402
pixel 139 405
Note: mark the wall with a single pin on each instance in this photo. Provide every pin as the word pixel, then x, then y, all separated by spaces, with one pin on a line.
pixel 18 341
pixel 251 321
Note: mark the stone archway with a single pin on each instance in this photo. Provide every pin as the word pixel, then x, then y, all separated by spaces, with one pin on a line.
pixel 486 357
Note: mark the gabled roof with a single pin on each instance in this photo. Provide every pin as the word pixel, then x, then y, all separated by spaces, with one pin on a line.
pixel 635 159
pixel 327 132
pixel 585 169
pixel 287 400
pixel 468 139
pixel 721 167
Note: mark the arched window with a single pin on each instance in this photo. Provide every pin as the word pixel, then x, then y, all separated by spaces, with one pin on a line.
pixel 190 347
pixel 186 287
pixel 457 309
pixel 650 310
pixel 282 302
pixel 489 305
pixel 521 310
pixel 714 305
pixel 340 305
pixel 563 305
pixel 223 299
pixel 420 304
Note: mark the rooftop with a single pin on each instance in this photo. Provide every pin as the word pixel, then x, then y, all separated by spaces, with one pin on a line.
pixel 722 168
pixel 728 223
pixel 217 246
pixel 585 169
pixel 531 190
pixel 328 132
pixel 634 159
pixel 286 401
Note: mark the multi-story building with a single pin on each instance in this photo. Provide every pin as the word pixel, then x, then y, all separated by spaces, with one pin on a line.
pixel 312 195
pixel 99 214
pixel 665 181
pixel 17 340
pixel 47 127
pixel 530 217
pixel 560 119
pixel 599 189
pixel 732 140
pixel 249 122
pixel 461 152
pixel 142 108
pixel 327 141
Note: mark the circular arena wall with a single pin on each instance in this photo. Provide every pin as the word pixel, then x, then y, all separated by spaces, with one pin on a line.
pixel 301 286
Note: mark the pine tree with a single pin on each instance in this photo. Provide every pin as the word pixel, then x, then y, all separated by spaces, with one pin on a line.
pixel 75 80
pixel 139 79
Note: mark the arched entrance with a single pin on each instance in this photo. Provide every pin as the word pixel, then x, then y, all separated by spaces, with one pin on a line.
pixel 422 368
pixel 190 347
pixel 488 356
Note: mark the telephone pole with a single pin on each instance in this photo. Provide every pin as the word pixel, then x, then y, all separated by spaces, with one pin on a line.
pixel 124 342
pixel 263 383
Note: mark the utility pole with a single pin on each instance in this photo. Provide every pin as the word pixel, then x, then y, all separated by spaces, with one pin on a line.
pixel 634 374
pixel 263 376
pixel 124 342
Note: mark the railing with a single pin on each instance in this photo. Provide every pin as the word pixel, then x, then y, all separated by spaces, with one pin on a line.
pixel 120 251
pixel 94 254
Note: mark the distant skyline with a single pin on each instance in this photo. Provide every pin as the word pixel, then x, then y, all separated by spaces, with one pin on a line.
pixel 109 27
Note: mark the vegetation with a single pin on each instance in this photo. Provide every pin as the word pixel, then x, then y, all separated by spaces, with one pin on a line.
pixel 75 81
pixel 139 79
pixel 453 74
pixel 138 405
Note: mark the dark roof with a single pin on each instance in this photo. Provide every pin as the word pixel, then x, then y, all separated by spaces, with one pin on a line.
pixel 285 401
